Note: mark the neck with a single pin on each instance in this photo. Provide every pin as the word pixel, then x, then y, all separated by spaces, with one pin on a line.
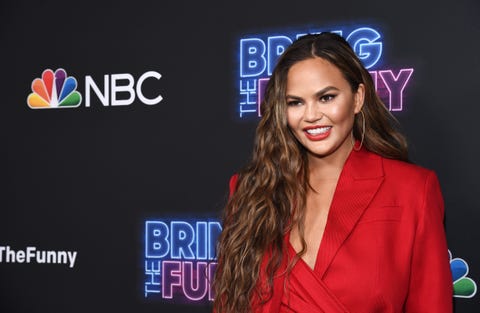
pixel 328 167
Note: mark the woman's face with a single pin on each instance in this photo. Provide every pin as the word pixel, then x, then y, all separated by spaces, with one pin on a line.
pixel 321 107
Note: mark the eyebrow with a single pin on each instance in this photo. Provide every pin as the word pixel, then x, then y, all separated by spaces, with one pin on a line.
pixel 318 93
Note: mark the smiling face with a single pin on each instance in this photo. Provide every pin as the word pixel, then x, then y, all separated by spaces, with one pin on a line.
pixel 321 107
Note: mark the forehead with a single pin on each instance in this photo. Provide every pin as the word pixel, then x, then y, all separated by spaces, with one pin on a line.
pixel 316 73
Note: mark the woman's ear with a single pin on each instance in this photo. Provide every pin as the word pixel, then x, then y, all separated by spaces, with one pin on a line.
pixel 359 98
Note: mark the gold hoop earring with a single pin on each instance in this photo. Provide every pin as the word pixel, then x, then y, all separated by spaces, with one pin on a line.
pixel 363 134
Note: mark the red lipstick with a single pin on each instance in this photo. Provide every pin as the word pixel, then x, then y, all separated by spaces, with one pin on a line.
pixel 324 132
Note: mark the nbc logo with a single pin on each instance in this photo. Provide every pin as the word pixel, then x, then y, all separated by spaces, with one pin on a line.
pixel 54 90
pixel 463 286
pixel 57 90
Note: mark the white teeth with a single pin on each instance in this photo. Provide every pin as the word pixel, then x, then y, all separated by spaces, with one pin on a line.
pixel 320 130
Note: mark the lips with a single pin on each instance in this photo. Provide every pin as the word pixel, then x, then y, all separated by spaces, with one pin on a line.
pixel 316 133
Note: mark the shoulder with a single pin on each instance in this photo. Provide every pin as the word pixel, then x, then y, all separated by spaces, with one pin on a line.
pixel 233 184
pixel 407 182
pixel 409 185
pixel 365 164
pixel 398 177
pixel 406 172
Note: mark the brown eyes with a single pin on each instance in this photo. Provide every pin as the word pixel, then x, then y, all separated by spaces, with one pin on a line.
pixel 327 98
pixel 324 99
pixel 293 103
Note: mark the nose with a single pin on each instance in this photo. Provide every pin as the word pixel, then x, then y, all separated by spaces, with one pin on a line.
pixel 312 112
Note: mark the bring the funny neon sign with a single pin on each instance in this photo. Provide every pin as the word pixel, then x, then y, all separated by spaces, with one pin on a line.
pixel 180 259
pixel 259 54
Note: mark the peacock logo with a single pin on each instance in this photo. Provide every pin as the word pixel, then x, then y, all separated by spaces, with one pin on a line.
pixel 54 90
pixel 463 286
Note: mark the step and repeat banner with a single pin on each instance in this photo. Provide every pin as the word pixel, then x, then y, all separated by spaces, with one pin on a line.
pixel 121 123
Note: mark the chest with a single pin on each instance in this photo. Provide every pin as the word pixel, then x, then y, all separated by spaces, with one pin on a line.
pixel 316 215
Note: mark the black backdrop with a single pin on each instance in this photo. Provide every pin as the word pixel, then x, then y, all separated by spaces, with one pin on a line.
pixel 87 179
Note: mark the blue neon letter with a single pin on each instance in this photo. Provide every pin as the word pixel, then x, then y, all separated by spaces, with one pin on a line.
pixel 156 239
pixel 363 43
pixel 214 230
pixel 276 46
pixel 182 239
pixel 252 57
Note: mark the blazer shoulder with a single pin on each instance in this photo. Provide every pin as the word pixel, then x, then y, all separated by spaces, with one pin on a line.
pixel 411 185
pixel 408 171
pixel 232 184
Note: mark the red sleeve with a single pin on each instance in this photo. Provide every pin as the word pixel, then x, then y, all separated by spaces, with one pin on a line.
pixel 233 184
pixel 431 287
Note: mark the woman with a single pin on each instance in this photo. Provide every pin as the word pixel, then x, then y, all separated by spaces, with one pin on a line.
pixel 329 216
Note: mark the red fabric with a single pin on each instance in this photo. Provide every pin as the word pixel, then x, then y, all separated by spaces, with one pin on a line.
pixel 384 247
pixel 306 292
pixel 233 184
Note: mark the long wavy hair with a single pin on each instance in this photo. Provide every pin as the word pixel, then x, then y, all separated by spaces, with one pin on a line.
pixel 270 193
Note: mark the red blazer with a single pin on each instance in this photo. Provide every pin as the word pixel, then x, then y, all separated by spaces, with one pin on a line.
pixel 384 247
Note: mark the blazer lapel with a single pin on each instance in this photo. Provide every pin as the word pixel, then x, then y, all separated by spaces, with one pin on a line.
pixel 359 181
